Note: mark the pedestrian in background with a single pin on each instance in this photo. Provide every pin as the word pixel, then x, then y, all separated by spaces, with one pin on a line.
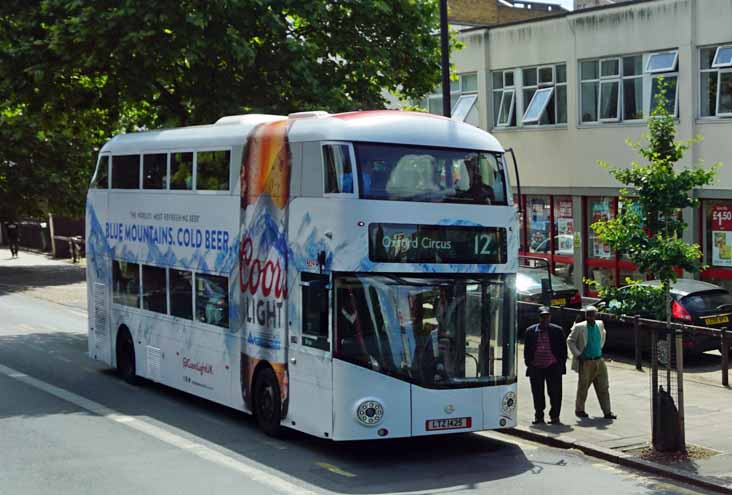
pixel 13 237
pixel 585 342
pixel 545 355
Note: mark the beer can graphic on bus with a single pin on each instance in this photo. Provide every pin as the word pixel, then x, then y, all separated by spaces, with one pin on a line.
pixel 265 189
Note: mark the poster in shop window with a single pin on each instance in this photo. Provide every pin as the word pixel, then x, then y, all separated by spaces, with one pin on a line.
pixel 600 211
pixel 722 235
pixel 565 222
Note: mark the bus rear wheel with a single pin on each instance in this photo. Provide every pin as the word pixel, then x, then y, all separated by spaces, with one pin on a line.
pixel 126 365
pixel 267 402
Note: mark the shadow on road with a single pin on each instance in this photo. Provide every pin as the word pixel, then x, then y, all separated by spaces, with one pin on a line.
pixel 397 465
pixel 22 277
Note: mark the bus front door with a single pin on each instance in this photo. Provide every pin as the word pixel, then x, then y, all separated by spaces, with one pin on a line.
pixel 310 358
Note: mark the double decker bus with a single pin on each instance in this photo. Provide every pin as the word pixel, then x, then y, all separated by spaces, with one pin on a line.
pixel 348 275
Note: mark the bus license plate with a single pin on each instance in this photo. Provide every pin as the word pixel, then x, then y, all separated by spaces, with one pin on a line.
pixel 448 424
pixel 559 302
pixel 717 320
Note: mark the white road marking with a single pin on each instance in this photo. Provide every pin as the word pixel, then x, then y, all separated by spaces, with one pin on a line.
pixel 250 469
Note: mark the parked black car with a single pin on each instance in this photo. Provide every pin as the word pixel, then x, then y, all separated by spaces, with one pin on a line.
pixel 693 302
pixel 529 289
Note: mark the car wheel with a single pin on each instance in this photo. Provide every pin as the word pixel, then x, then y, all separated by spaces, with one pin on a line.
pixel 126 364
pixel 267 402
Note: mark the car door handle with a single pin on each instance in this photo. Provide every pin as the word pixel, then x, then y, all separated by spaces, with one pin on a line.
pixel 293 360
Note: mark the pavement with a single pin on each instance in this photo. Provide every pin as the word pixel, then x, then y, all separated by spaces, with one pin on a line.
pixel 708 405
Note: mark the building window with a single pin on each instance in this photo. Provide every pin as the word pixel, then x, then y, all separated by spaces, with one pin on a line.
pixel 465 84
pixel 663 66
pixel 716 81
pixel 613 89
pixel 504 99
pixel 545 95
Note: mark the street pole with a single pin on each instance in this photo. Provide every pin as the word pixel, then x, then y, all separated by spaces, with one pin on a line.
pixel 444 46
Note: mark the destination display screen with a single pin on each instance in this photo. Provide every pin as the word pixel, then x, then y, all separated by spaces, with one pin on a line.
pixel 404 243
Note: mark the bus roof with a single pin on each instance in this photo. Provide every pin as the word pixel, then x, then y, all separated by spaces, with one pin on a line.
pixel 381 126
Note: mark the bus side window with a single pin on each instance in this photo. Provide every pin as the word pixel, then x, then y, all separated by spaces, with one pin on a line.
pixel 315 300
pixel 101 176
pixel 338 170
pixel 126 172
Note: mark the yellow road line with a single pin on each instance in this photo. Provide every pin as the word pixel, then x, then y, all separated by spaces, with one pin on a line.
pixel 335 469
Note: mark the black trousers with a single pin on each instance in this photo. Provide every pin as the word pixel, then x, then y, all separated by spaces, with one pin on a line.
pixel 13 247
pixel 552 376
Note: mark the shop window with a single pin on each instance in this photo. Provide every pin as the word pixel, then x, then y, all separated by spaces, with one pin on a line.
pixel 563 237
pixel 212 301
pixel 599 209
pixel 126 283
pixel 539 226
pixel 212 170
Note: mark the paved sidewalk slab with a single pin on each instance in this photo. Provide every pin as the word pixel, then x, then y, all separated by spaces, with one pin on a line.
pixel 42 276
pixel 708 411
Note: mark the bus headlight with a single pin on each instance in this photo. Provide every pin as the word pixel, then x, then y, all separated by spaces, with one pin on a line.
pixel 369 412
pixel 508 404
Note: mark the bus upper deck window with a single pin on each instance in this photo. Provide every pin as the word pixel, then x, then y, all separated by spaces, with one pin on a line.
pixel 338 171
pixel 155 171
pixel 126 172
pixel 181 171
pixel 212 170
pixel 100 180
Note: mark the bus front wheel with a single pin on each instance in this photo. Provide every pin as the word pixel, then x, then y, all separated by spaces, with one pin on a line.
pixel 126 366
pixel 267 402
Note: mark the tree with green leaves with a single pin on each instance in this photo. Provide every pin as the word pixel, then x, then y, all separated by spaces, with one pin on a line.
pixel 75 72
pixel 649 227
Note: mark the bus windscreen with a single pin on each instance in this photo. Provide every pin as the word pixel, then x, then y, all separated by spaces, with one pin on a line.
pixel 415 173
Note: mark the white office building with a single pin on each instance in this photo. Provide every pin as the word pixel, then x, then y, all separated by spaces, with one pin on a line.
pixel 566 91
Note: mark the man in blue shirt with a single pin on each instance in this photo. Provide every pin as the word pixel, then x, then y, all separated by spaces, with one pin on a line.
pixel 585 342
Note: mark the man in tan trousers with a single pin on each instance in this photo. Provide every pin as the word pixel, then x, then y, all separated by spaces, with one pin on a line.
pixel 585 342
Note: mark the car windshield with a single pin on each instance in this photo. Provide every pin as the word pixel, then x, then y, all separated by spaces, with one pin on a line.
pixel 433 332
pixel 411 173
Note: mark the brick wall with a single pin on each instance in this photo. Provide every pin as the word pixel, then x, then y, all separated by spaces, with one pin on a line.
pixel 488 12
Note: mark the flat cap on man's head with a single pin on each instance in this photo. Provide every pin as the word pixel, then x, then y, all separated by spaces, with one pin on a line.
pixel 590 309
pixel 545 310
